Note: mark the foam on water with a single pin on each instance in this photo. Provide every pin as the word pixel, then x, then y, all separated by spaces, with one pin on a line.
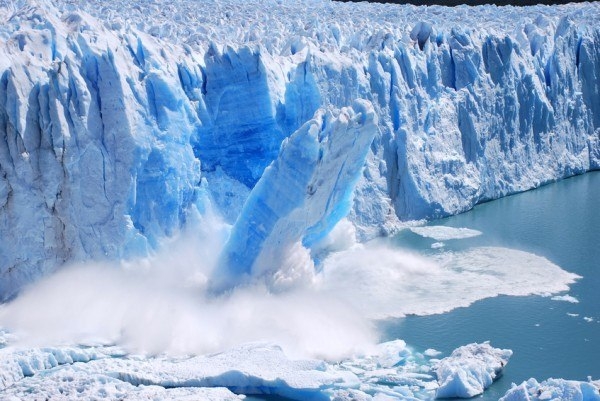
pixel 565 298
pixel 408 283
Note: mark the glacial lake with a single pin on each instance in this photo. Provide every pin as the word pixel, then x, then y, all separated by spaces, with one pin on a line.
pixel 549 338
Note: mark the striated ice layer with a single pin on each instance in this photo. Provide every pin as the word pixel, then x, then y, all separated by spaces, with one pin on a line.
pixel 122 123
pixel 95 154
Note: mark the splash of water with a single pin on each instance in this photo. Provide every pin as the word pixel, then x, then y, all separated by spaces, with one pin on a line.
pixel 161 304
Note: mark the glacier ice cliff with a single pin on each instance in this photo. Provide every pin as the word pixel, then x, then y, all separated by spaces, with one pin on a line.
pixel 122 123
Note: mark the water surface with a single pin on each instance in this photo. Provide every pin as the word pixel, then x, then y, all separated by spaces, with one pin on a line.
pixel 559 221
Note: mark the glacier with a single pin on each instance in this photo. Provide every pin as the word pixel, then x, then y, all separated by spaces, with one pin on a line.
pixel 296 129
pixel 123 124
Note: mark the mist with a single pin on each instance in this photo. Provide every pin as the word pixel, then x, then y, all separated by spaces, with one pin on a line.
pixel 162 305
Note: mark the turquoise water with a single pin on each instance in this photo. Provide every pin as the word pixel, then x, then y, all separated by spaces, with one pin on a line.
pixel 561 222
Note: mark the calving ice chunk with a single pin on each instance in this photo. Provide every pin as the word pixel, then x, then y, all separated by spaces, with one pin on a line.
pixel 300 197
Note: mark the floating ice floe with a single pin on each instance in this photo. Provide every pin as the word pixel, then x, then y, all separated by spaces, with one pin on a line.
pixel 431 352
pixel 469 370
pixel 554 390
pixel 444 233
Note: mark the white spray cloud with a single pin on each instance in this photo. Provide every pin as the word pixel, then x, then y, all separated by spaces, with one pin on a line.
pixel 161 305
pixel 382 281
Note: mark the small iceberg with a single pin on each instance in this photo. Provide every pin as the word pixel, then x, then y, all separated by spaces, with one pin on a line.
pixel 470 369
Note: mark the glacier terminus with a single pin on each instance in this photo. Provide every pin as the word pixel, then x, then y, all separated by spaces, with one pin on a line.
pixel 120 124
pixel 278 133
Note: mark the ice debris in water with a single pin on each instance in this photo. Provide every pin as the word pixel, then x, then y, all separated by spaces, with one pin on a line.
pixel 123 123
pixel 388 371
pixel 470 369
pixel 554 390
pixel 443 233
pixel 565 298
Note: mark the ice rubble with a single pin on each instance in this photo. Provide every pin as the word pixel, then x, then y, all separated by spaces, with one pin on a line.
pixel 389 371
pixel 470 370
pixel 124 122
pixel 555 390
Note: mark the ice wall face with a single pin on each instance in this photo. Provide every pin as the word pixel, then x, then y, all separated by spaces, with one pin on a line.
pixel 473 116
pixel 95 153
pixel 300 197
pixel 242 135
pixel 119 128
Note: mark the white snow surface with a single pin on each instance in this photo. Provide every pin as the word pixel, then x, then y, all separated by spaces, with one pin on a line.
pixel 123 123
